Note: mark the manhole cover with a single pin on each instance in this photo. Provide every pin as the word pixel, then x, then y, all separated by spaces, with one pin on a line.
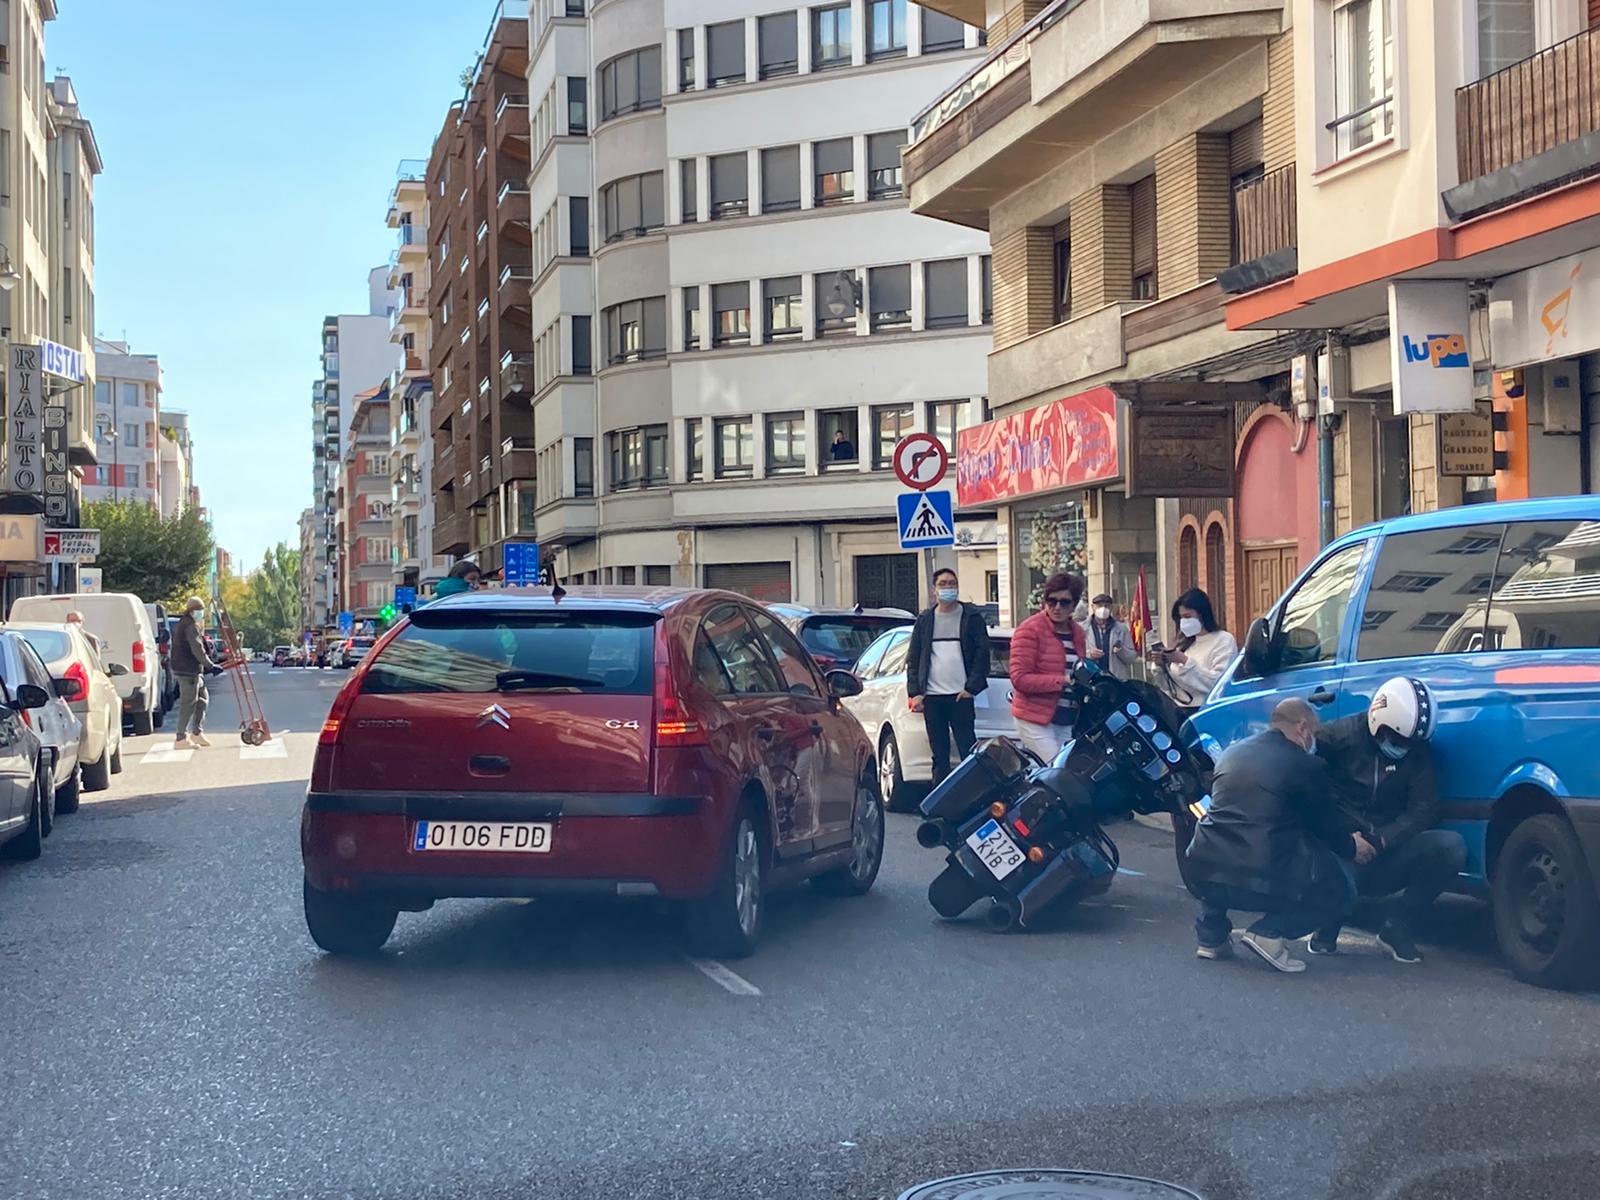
pixel 1047 1184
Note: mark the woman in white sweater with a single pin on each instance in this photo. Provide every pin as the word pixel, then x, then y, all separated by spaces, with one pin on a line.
pixel 1201 653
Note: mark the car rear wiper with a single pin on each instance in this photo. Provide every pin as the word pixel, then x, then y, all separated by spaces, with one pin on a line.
pixel 513 681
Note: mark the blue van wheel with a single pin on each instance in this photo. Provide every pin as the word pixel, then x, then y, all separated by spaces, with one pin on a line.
pixel 1546 913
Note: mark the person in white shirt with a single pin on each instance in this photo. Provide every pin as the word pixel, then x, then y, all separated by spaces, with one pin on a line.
pixel 1202 652
pixel 947 665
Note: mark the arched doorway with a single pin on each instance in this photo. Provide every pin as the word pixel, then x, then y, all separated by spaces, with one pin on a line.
pixel 1267 515
pixel 1188 558
pixel 1217 569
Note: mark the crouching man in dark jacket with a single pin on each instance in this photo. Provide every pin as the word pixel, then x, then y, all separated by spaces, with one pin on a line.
pixel 1381 766
pixel 1273 842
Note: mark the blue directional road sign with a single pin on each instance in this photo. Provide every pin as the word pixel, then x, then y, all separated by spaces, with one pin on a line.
pixel 926 519
pixel 404 596
pixel 347 623
pixel 522 562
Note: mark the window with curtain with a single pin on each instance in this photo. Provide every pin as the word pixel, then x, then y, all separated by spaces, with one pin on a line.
pixel 782 307
pixel 1507 33
pixel 632 206
pixel 630 82
pixel 786 444
pixel 730 314
pixel 735 447
pixel 635 330
pixel 944 417
pixel 686 60
pixel 883 165
pixel 1363 74
pixel 691 318
pixel 834 169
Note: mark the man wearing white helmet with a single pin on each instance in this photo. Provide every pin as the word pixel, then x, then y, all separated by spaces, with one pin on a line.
pixel 1381 765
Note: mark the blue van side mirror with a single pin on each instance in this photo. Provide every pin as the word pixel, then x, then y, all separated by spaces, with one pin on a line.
pixel 1259 657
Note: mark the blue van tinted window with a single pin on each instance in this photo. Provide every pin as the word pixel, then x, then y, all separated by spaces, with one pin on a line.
pixel 1547 587
pixel 1429 593
pixel 1313 617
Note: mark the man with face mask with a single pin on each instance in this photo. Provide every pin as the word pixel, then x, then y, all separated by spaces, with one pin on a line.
pixel 191 663
pixel 1271 843
pixel 947 665
pixel 1381 766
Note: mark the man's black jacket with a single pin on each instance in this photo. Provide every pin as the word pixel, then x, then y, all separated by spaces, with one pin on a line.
pixel 974 651
pixel 1396 799
pixel 1272 823
pixel 188 648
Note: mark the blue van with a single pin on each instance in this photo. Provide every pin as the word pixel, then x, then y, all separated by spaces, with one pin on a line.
pixel 1497 608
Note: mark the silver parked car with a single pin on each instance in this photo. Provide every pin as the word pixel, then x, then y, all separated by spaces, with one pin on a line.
pixel 70 655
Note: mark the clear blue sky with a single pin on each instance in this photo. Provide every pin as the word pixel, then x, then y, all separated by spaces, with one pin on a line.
pixel 249 151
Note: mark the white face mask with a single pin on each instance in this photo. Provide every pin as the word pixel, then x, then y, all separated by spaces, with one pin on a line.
pixel 1191 627
pixel 1103 613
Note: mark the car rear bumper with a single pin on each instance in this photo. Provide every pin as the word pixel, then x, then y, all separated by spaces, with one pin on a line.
pixel 601 844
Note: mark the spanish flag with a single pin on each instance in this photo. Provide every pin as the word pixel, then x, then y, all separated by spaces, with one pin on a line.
pixel 1139 615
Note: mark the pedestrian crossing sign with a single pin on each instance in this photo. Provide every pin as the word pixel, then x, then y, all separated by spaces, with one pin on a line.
pixel 926 519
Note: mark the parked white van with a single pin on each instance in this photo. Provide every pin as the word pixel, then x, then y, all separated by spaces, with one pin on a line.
pixel 122 623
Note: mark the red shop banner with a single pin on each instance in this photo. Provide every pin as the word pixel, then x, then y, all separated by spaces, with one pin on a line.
pixel 1064 444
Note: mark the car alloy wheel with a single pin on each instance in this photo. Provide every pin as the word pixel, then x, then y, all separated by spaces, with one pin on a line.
pixel 866 836
pixel 747 877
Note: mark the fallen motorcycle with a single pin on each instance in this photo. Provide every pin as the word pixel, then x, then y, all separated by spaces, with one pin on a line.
pixel 1029 836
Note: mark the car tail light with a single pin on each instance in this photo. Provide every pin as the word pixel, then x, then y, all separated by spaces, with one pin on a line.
pixel 137 667
pixel 675 723
pixel 79 675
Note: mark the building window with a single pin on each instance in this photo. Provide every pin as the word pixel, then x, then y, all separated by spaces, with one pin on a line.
pixel 834 166
pixel 695 436
pixel 574 8
pixel 583 466
pixel 1142 213
pixel 736 448
pixel 730 186
pixel 1061 291
pixel 786 444
pixel 686 60
pixel 830 37
pixel 635 330
pixel 945 293
pixel 577 104
pixel 944 417
pixel 633 206
pixel 986 288
pixel 691 318
pixel 1363 74
pixel 688 182
pixel 890 423
pixel 883 165
pixel 837 302
pixel 780 179
pixel 725 53
pixel 578 225
pixel 940 32
pixel 839 429
pixel 778 36
pixel 886 29
pixel 638 457
pixel 582 355
pixel 630 82
pixel 782 307
pixel 1507 33
pixel 889 294
pixel 730 314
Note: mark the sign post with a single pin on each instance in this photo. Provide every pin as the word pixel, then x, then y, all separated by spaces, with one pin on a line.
pixel 926 519
pixel 89 581
pixel 404 597
pixel 920 461
pixel 347 623
pixel 521 563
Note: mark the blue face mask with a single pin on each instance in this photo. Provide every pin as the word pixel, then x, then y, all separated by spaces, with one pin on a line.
pixel 948 595
pixel 1394 750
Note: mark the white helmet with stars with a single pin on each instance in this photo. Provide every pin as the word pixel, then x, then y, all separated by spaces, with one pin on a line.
pixel 1402 709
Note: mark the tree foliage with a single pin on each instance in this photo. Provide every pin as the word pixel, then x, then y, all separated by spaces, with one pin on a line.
pixel 156 558
pixel 265 606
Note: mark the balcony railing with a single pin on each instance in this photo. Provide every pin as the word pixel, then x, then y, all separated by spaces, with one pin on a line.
pixel 510 100
pixel 510 189
pixel 1264 214
pixel 1529 107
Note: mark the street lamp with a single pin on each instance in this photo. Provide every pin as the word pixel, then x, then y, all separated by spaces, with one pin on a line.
pixel 8 273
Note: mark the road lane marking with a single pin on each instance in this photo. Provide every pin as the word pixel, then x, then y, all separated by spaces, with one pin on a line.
pixel 166 754
pixel 271 749
pixel 728 980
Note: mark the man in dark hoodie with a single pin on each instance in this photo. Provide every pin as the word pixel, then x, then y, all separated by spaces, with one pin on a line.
pixel 947 665
pixel 191 664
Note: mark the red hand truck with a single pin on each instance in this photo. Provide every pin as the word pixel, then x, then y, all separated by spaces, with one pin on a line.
pixel 253 730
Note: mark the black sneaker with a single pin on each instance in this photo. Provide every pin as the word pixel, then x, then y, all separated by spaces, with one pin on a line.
pixel 1399 944
pixel 1322 943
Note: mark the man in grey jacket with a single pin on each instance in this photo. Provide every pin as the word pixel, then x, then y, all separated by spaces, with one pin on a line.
pixel 1110 642
pixel 191 664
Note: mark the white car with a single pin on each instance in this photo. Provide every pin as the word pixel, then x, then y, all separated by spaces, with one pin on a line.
pixel 898 735
pixel 122 623
pixel 68 654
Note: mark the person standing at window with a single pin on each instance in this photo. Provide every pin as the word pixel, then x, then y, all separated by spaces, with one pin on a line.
pixel 1110 642
pixel 843 449
pixel 1201 653
pixel 1045 650
pixel 947 665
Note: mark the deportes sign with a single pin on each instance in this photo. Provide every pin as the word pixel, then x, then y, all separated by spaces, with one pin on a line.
pixel 1065 444
pixel 71 545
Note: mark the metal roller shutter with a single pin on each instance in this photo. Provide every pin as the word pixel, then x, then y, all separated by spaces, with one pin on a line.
pixel 767 582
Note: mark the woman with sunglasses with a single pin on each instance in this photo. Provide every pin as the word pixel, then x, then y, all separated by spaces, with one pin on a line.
pixel 1045 649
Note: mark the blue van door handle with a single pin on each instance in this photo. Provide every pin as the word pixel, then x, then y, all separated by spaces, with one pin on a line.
pixel 1320 697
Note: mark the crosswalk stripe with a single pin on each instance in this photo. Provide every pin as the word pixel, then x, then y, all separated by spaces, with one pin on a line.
pixel 273 749
pixel 166 754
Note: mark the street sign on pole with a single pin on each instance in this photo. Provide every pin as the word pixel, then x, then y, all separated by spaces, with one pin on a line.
pixel 521 563
pixel 347 623
pixel 89 581
pixel 926 519
pixel 404 596
pixel 920 460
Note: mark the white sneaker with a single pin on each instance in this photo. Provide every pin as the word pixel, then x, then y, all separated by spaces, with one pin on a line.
pixel 200 739
pixel 183 743
pixel 1275 951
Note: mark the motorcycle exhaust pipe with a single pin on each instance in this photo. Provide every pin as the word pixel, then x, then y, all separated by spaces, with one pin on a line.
pixel 1001 918
pixel 930 834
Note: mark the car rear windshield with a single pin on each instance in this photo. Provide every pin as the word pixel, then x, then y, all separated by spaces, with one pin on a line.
pixel 999 658
pixel 844 637
pixel 363 643
pixel 50 643
pixel 526 652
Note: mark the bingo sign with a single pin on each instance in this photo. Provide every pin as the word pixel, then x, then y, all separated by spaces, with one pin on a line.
pixel 24 421
pixel 72 545
pixel 1065 444
pixel 57 504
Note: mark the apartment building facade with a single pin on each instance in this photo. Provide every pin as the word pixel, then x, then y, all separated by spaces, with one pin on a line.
pixel 127 426
pixel 177 486
pixel 367 571
pixel 308 582
pixel 411 386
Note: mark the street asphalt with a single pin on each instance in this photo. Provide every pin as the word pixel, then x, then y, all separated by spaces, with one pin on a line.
pixel 171 1031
